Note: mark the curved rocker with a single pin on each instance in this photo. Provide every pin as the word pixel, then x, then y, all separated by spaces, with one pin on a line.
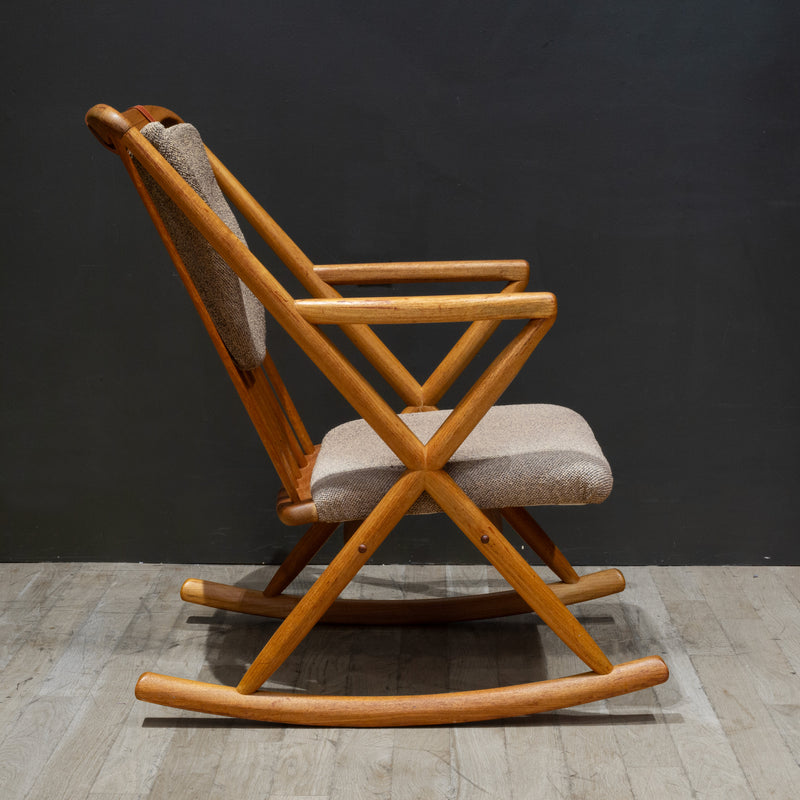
pixel 402 710
pixel 399 612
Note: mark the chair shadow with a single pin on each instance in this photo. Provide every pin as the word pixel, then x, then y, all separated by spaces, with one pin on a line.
pixel 570 718
pixel 414 659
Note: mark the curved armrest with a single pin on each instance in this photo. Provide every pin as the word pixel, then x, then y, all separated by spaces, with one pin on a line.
pixel 423 271
pixel 438 308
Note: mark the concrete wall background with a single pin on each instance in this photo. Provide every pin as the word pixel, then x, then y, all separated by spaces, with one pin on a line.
pixel 644 157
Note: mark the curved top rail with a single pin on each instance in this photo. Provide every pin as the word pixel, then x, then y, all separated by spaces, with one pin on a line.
pixel 109 125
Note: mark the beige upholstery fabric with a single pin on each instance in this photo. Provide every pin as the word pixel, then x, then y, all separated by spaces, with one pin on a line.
pixel 525 455
pixel 237 314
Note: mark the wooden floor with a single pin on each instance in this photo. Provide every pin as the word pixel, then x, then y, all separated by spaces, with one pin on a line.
pixel 74 638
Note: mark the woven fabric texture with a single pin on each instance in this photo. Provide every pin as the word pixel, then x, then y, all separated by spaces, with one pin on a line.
pixel 521 455
pixel 237 314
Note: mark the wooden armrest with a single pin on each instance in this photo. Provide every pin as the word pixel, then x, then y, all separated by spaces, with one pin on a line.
pixel 423 271
pixel 438 308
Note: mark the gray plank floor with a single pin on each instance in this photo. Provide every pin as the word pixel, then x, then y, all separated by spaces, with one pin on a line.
pixel 74 637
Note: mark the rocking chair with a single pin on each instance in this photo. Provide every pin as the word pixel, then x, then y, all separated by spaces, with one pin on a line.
pixel 475 462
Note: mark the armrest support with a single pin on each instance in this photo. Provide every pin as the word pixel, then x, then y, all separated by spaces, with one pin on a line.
pixel 423 271
pixel 438 308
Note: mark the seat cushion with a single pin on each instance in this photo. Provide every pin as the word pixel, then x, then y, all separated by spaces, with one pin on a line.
pixel 522 455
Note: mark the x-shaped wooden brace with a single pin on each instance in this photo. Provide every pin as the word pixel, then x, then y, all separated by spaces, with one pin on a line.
pixel 432 478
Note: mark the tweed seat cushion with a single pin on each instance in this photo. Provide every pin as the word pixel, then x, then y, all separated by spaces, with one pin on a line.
pixel 520 455
pixel 238 316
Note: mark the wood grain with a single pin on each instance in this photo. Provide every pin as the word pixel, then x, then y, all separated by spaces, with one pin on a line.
pixel 387 710
pixel 421 757
pixel 422 272
pixel 113 747
pixel 703 747
pixel 420 310
pixel 534 536
pixel 337 575
pixel 363 611
pixel 496 549
pixel 363 767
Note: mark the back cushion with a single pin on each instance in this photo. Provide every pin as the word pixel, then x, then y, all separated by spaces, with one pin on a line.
pixel 237 314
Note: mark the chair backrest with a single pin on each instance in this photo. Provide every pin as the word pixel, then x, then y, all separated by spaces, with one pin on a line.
pixel 237 314
pixel 261 390
pixel 233 316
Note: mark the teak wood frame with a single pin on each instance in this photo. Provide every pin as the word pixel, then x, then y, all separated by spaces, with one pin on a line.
pixel 292 452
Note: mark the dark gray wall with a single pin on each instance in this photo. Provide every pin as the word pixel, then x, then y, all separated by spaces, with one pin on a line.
pixel 644 156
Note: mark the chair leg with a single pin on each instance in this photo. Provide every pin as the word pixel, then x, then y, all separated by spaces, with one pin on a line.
pixel 299 556
pixel 349 528
pixel 247 702
pixel 495 516
pixel 513 567
pixel 534 536
pixel 353 555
